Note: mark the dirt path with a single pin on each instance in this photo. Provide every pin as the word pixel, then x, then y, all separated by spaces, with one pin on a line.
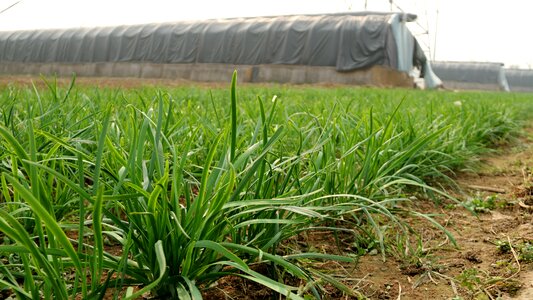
pixel 495 255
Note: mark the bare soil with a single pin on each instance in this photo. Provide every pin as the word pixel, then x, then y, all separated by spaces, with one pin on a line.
pixel 492 261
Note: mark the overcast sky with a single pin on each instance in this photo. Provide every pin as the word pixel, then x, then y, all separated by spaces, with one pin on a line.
pixel 465 30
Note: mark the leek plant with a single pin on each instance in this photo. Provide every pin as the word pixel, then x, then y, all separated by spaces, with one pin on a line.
pixel 167 191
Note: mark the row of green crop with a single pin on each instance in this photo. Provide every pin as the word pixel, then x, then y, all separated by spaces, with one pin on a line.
pixel 193 185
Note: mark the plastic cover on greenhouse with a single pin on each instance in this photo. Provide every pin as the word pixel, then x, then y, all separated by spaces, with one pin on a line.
pixel 345 41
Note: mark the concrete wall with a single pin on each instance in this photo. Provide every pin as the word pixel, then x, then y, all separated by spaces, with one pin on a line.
pixel 521 89
pixel 456 85
pixel 376 76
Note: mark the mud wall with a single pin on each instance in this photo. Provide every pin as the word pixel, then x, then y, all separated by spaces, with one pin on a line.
pixel 375 76
pixel 457 85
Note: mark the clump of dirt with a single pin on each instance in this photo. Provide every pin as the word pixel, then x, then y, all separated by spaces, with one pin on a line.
pixel 524 194
pixel 473 257
pixel 234 287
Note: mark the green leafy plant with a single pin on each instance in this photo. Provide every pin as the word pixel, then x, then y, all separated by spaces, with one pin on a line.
pixel 484 205
pixel 526 252
pixel 166 191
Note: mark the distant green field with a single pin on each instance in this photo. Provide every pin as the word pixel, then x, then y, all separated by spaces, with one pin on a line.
pixel 167 190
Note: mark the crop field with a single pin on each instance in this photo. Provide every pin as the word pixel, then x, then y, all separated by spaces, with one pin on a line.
pixel 161 193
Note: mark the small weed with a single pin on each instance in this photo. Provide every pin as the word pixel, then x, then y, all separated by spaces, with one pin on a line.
pixel 365 245
pixel 524 249
pixel 483 205
pixel 503 246
pixel 482 285
pixel 470 279
pixel 450 206
pixel 526 252
pixel 511 287
pixel 411 255
pixel 416 260
pixel 505 267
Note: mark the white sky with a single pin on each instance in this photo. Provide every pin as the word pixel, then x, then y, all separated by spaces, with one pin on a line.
pixel 465 30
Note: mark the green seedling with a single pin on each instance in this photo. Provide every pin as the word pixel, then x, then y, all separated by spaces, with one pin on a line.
pixel 483 205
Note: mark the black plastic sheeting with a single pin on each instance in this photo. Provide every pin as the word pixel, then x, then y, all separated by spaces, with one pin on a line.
pixel 345 41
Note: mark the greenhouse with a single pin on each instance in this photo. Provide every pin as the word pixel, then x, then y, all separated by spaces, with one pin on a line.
pixel 351 48
pixel 520 80
pixel 471 75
